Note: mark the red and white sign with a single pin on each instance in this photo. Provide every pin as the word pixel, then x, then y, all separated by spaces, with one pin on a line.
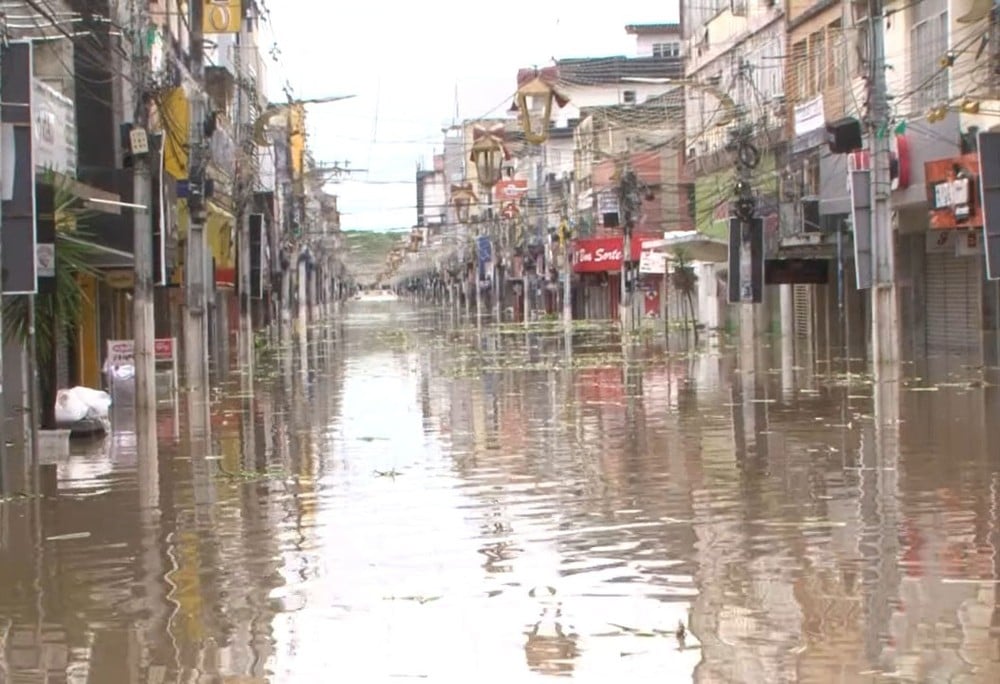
pixel 122 352
pixel 899 151
pixel 163 349
pixel 603 254
pixel 509 190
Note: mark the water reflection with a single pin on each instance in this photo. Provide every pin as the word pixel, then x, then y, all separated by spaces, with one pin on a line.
pixel 401 495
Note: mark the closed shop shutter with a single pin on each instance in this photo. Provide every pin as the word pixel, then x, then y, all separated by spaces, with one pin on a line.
pixel 954 305
pixel 802 310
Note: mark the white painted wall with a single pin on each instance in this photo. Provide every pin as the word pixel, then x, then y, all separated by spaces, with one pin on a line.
pixel 601 95
pixel 759 40
pixel 435 199
pixel 644 43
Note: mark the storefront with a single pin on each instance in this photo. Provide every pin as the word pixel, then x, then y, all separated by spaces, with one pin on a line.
pixel 598 263
pixel 954 261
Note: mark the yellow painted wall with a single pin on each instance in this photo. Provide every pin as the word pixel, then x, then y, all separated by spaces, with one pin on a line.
pixel 88 350
pixel 297 137
pixel 219 234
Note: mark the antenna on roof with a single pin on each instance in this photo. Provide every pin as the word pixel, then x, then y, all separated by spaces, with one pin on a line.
pixel 456 120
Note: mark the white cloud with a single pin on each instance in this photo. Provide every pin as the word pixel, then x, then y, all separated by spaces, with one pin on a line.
pixel 404 62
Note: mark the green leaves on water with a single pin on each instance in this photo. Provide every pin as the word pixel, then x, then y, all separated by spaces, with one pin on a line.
pixel 242 475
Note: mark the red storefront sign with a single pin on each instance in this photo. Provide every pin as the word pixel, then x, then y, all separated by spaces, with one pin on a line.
pixel 603 254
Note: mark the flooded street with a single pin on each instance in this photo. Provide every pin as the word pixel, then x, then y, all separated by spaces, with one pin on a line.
pixel 405 498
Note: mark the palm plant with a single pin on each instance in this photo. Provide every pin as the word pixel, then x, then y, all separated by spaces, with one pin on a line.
pixel 685 281
pixel 57 310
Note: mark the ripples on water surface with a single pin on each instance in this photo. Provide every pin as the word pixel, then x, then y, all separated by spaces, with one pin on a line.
pixel 410 500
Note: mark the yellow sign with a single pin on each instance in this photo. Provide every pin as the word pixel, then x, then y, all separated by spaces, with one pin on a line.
pixel 222 16
pixel 120 279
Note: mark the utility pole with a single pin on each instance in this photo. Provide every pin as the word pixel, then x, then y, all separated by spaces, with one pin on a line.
pixel 885 306
pixel 564 243
pixel 142 242
pixel 196 294
pixel 628 201
pixel 244 198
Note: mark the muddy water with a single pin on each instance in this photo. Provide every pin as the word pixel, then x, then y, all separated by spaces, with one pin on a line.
pixel 396 498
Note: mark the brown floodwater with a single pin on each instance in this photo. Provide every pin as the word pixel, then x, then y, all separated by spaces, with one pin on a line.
pixel 398 497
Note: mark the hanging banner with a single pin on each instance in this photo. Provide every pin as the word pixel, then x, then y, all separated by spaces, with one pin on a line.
pixel 746 261
pixel 17 270
pixel 861 221
pixel 222 16
pixel 256 224
pixel 989 169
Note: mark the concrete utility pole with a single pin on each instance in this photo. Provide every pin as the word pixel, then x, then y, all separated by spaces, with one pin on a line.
pixel 244 199
pixel 195 270
pixel 567 285
pixel 628 201
pixel 143 325
pixel 885 306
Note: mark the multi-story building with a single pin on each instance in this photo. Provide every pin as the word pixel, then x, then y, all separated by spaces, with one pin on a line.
pixel 941 82
pixel 89 84
pixel 735 87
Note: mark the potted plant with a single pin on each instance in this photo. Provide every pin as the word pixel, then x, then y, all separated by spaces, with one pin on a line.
pixel 57 309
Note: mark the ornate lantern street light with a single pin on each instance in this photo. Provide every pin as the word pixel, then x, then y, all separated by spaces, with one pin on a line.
pixel 462 198
pixel 534 100
pixel 488 154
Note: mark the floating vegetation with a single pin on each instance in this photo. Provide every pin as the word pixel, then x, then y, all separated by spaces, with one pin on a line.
pixel 416 599
pixel 16 497
pixel 241 475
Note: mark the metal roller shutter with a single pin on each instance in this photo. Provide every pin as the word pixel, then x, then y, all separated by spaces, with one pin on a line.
pixel 803 311
pixel 954 305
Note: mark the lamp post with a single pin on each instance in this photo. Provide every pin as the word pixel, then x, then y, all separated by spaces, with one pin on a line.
pixel 536 94
pixel 534 99
pixel 489 154
pixel 462 198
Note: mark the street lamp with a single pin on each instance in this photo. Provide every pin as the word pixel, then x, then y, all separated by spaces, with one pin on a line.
pixel 534 99
pixel 462 197
pixel 488 153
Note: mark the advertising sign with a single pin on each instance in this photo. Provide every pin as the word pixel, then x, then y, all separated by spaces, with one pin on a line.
pixel 222 16
pixel 989 165
pixel 746 261
pixel 54 124
pixel 17 270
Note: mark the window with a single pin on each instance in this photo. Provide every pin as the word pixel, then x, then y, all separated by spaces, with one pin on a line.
pixel 628 97
pixel 817 54
pixel 928 44
pixel 671 49
pixel 800 71
pixel 835 45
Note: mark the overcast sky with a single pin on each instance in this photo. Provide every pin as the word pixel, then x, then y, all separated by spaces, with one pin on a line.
pixel 406 61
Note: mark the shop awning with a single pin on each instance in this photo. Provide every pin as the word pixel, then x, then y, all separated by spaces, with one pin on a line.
pixel 698 246
pixel 99 256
